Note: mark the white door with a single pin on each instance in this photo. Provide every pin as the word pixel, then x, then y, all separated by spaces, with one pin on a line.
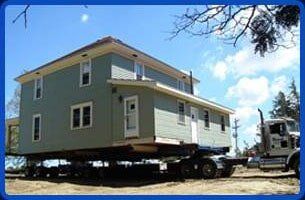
pixel 131 119
pixel 194 124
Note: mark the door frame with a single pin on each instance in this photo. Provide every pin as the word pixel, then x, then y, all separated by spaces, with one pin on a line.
pixel 135 132
pixel 197 116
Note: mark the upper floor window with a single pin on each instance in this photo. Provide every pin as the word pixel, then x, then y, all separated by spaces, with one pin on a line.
pixel 38 88
pixel 206 116
pixel 81 115
pixel 180 84
pixel 85 73
pixel 139 71
pixel 181 112
pixel 36 132
pixel 222 123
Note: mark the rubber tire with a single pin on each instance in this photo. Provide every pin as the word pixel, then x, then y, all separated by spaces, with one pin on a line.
pixel 29 172
pixel 40 172
pixel 296 167
pixel 227 172
pixel 101 173
pixel 186 170
pixel 208 169
pixel 54 172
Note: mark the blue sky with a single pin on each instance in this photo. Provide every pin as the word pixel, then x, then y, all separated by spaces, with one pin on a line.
pixel 234 77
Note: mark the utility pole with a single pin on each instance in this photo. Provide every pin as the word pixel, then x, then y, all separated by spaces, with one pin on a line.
pixel 235 135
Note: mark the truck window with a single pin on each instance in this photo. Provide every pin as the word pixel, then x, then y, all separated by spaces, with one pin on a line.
pixel 278 128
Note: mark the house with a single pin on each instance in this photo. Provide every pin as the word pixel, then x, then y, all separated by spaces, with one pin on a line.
pixel 109 94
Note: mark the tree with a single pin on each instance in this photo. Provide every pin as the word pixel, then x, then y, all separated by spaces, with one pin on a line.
pixel 280 106
pixel 270 26
pixel 294 101
pixel 12 107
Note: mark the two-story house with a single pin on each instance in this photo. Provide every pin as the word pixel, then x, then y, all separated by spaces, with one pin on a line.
pixel 109 94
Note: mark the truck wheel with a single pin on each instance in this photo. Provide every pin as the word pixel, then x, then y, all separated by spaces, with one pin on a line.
pixel 40 172
pixel 227 172
pixel 296 168
pixel 54 172
pixel 208 169
pixel 29 172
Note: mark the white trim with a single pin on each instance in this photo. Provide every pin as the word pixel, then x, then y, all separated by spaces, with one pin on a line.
pixel 81 73
pixel 135 70
pixel 131 133
pixel 35 88
pixel 183 84
pixel 33 127
pixel 81 107
pixel 172 91
pixel 184 111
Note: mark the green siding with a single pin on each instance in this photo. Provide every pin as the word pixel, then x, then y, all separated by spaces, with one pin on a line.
pixel 60 91
pixel 166 123
pixel 146 111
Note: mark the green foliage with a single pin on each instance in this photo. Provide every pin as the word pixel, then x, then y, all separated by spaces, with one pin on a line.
pixel 287 105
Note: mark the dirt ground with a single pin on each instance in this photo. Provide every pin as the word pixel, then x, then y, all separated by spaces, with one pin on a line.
pixel 243 181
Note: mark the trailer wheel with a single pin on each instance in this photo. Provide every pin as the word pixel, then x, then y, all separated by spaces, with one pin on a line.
pixel 29 172
pixel 227 172
pixel 296 167
pixel 40 172
pixel 54 172
pixel 186 170
pixel 208 169
pixel 101 173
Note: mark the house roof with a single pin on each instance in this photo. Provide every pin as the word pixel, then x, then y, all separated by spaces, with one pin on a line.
pixel 83 51
pixel 172 91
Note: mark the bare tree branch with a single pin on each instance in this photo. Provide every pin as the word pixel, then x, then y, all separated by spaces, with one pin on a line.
pixel 24 13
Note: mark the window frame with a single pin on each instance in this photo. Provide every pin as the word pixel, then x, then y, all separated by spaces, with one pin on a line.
pixel 209 119
pixel 178 112
pixel 224 123
pixel 33 127
pixel 81 73
pixel 183 84
pixel 131 133
pixel 81 108
pixel 35 88
pixel 135 70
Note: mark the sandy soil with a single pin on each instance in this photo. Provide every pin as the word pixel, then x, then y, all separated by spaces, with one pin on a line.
pixel 242 182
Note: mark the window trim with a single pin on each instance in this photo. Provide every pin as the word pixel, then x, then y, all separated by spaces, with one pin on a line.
pixel 35 88
pixel 81 107
pixel 224 121
pixel 33 127
pixel 135 70
pixel 178 119
pixel 207 128
pixel 81 73
pixel 133 133
pixel 183 85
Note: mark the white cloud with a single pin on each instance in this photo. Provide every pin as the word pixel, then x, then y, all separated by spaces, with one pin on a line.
pixel 84 18
pixel 279 84
pixel 244 113
pixel 250 91
pixel 245 62
pixel 251 130
pixel 220 70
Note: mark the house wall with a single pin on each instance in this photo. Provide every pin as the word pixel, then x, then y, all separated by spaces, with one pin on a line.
pixel 166 123
pixel 146 111
pixel 123 68
pixel 60 91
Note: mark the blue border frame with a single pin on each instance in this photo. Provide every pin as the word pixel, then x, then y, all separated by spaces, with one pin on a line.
pixel 5 3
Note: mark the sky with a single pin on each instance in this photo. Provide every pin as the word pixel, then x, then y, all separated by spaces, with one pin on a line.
pixel 232 76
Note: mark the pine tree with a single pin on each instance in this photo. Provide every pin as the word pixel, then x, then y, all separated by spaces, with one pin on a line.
pixel 280 106
pixel 294 101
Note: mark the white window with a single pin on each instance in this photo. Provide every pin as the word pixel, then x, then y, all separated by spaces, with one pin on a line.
pixel 206 117
pixel 81 115
pixel 38 88
pixel 131 112
pixel 139 71
pixel 36 128
pixel 85 73
pixel 181 112
pixel 222 123
pixel 180 84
